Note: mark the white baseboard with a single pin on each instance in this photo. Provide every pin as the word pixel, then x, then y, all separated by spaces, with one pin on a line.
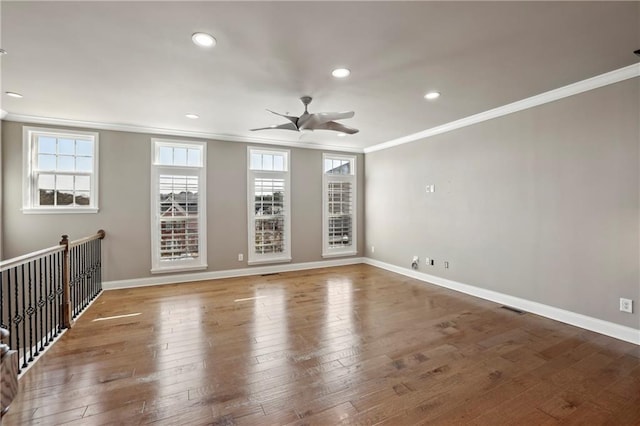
pixel 229 273
pixel 607 328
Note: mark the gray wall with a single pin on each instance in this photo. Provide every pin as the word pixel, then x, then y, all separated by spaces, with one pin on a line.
pixel 125 161
pixel 540 204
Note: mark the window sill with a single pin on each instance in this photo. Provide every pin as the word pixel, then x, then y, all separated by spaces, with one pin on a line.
pixel 265 261
pixel 178 268
pixel 340 254
pixel 60 210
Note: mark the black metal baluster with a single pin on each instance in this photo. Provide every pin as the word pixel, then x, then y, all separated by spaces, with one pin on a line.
pixel 84 272
pixel 58 304
pixel 99 259
pixel 96 266
pixel 47 311
pixel 24 322
pixel 78 280
pixel 9 319
pixel 91 270
pixel 41 303
pixel 30 311
pixel 4 324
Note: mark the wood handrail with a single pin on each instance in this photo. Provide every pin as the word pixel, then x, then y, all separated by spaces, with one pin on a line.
pixel 20 260
pixel 97 236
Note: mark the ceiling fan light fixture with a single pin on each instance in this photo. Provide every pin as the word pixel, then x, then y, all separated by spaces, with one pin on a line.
pixel 192 116
pixel 203 40
pixel 13 94
pixel 341 72
pixel 432 95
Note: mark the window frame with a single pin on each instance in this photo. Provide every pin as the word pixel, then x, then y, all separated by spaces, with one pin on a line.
pixel 254 258
pixel 31 171
pixel 159 265
pixel 352 249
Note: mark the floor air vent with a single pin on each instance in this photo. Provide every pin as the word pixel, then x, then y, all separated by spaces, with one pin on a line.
pixel 512 309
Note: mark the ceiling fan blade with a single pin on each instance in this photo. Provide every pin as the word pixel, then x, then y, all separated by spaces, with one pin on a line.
pixel 312 121
pixel 338 127
pixel 288 117
pixel 285 126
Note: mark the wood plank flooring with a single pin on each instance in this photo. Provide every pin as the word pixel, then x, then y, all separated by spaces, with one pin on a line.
pixel 346 345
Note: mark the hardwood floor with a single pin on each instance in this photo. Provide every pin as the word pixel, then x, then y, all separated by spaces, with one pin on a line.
pixel 346 345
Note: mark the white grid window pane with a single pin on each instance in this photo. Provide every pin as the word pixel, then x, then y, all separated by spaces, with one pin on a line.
pixel 46 162
pixel 47 145
pixel 84 148
pixel 179 156
pixel 84 164
pixel 337 167
pixel 66 146
pixel 65 163
pixel 270 161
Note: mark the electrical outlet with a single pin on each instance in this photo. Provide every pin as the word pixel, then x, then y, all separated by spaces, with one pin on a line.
pixel 414 262
pixel 626 305
pixel 427 261
pixel 240 257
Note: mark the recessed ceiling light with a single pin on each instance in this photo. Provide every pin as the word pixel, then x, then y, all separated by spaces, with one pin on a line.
pixel 432 95
pixel 340 73
pixel 192 116
pixel 203 39
pixel 13 94
pixel 3 52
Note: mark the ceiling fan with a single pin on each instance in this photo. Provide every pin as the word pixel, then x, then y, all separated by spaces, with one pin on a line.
pixel 313 121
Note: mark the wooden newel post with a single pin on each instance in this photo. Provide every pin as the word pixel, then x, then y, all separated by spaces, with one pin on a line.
pixel 66 289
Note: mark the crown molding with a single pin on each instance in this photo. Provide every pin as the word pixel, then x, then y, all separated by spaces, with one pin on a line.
pixel 602 80
pixel 30 119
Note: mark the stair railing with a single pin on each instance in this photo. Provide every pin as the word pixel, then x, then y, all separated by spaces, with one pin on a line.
pixel 43 292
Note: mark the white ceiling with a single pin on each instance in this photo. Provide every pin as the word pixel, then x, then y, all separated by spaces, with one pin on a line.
pixel 133 63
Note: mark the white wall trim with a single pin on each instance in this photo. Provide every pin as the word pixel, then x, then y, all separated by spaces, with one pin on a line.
pixel 229 273
pixel 606 79
pixel 173 132
pixel 607 328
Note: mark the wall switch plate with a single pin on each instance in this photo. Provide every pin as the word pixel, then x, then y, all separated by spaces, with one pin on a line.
pixel 240 257
pixel 626 305
pixel 431 188
pixel 373 249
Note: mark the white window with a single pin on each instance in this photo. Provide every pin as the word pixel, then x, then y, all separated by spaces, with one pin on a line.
pixel 178 206
pixel 60 171
pixel 338 205
pixel 269 206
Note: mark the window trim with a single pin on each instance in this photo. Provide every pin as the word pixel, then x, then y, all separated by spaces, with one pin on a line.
pixel 29 184
pixel 159 266
pixel 351 250
pixel 252 257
